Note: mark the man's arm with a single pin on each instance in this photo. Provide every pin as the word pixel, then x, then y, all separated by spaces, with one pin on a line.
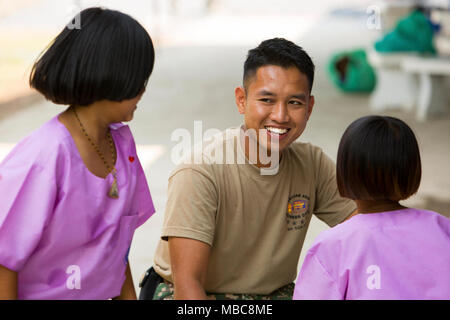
pixel 128 292
pixel 330 207
pixel 8 284
pixel 189 261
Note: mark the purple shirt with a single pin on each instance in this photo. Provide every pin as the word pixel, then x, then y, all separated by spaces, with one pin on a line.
pixel 402 254
pixel 58 228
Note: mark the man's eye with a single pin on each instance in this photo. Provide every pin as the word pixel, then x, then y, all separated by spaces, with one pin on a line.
pixel 266 100
pixel 299 103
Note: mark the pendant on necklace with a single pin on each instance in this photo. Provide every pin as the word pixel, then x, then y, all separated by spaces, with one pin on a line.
pixel 114 191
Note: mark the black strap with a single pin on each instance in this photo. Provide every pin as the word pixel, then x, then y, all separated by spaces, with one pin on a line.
pixel 148 284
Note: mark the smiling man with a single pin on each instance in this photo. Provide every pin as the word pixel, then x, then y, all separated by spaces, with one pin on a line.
pixel 231 232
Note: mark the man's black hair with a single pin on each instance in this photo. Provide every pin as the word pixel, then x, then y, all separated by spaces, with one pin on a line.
pixel 110 57
pixel 278 52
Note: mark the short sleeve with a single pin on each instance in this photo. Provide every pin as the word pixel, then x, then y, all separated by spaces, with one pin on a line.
pixel 314 282
pixel 191 206
pixel 330 207
pixel 27 202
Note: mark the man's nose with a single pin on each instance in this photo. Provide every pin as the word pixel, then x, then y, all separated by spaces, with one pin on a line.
pixel 280 113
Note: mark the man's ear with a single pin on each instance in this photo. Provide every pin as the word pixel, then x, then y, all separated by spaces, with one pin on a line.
pixel 239 94
pixel 310 106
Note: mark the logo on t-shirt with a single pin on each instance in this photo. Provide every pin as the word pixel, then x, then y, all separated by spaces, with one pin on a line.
pixel 297 211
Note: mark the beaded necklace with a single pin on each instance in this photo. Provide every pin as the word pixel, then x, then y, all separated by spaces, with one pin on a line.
pixel 113 191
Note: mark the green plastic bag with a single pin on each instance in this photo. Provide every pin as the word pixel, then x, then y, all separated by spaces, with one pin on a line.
pixel 412 33
pixel 351 72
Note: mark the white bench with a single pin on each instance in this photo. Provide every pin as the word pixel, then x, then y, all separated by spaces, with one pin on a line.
pixel 395 88
pixel 433 95
pixel 408 81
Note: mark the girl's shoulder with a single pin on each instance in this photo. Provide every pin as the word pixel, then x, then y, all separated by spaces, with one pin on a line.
pixel 42 147
pixel 51 148
pixel 369 227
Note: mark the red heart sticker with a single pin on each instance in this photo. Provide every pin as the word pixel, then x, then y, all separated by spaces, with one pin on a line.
pixel 131 158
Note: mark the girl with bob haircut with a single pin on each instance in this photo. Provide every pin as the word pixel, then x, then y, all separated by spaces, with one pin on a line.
pixel 74 191
pixel 387 251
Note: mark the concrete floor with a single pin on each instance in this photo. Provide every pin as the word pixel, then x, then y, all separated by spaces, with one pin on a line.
pixel 197 83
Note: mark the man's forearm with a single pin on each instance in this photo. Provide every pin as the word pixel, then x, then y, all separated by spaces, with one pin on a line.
pixel 189 290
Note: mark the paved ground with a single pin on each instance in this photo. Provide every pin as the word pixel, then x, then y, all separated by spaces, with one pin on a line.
pixel 196 81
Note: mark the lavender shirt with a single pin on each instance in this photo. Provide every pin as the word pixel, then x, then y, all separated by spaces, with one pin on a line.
pixel 58 228
pixel 402 254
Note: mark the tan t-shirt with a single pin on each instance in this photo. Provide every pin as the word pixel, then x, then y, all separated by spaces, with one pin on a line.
pixel 255 224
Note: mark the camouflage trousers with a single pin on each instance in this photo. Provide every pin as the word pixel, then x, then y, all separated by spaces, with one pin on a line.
pixel 164 291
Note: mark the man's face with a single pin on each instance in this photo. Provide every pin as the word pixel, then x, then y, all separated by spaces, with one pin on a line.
pixel 277 101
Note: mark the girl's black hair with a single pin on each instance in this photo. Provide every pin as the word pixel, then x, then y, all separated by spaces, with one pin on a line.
pixel 378 159
pixel 110 57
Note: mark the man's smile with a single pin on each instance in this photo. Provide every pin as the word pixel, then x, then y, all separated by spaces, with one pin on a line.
pixel 277 132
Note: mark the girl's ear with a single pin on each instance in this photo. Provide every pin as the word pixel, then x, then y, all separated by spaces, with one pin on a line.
pixel 240 97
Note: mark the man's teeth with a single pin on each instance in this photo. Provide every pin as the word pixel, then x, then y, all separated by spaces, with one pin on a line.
pixel 277 130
